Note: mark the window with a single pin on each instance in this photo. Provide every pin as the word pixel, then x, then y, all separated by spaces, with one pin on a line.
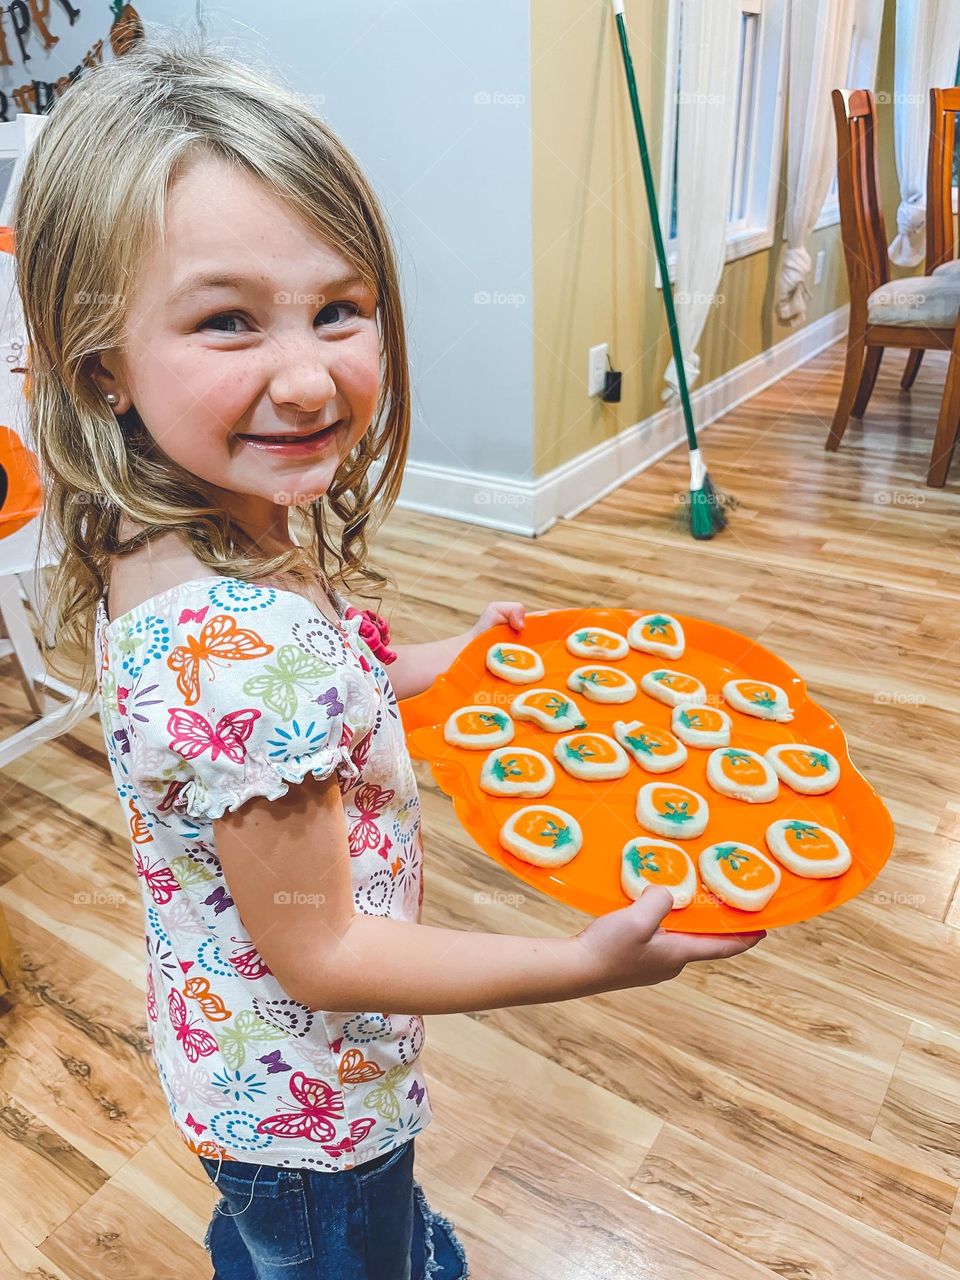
pixel 761 68
pixel 861 74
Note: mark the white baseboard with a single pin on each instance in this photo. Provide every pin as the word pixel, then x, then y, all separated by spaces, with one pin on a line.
pixel 530 507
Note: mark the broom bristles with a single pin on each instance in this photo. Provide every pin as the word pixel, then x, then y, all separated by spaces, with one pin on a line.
pixel 703 511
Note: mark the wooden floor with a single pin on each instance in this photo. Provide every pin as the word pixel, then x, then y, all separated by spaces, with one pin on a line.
pixel 795 1112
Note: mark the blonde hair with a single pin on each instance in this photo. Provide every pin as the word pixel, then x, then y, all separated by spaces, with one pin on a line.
pixel 91 199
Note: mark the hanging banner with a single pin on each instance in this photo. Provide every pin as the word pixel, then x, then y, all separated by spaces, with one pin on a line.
pixel 26 24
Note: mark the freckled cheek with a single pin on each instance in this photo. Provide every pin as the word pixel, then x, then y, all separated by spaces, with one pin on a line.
pixel 215 403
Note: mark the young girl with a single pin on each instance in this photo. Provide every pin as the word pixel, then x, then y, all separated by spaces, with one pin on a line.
pixel 214 317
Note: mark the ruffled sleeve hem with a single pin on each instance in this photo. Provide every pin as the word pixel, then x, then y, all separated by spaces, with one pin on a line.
pixel 261 777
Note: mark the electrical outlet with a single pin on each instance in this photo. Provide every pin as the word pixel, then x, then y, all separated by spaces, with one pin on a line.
pixel 818 272
pixel 596 369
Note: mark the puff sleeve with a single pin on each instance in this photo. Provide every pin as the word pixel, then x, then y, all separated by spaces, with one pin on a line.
pixel 232 690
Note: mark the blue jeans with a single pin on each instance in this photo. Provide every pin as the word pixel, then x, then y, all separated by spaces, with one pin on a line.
pixel 368 1223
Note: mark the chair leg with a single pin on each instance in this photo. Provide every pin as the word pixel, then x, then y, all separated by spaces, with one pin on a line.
pixel 848 389
pixel 867 379
pixel 947 423
pixel 912 368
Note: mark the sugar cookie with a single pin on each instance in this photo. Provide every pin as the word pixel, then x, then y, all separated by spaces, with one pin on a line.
pixel 543 835
pixel 602 684
pixel 672 687
pixel 808 849
pixel 742 774
pixel 671 810
pixel 739 875
pixel 591 756
pixel 701 726
pixel 478 728
pixel 517 771
pixel 549 708
pixel 514 662
pixel 655 750
pixel 758 698
pixel 646 862
pixel 657 633
pixel 809 770
pixel 597 642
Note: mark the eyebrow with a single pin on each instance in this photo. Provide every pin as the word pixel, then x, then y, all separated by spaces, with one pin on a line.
pixel 206 281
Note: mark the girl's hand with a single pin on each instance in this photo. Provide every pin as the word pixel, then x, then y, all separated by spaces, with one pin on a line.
pixel 627 948
pixel 497 611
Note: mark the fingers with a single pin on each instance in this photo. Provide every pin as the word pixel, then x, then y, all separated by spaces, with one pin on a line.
pixel 653 905
pixel 709 946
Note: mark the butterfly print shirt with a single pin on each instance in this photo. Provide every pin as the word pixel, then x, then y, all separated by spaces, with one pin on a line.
pixel 211 693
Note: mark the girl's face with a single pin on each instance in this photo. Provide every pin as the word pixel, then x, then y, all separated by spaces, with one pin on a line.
pixel 247 325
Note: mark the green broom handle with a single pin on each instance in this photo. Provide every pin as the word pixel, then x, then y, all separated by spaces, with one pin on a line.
pixel 655 221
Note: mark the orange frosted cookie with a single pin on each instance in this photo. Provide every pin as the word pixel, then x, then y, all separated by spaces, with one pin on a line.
pixel 739 875
pixel 591 756
pixel 517 771
pixel 543 835
pixel 808 849
pixel 657 633
pixel 597 642
pixel 742 774
pixel 655 750
pixel 758 698
pixel 549 708
pixel 809 770
pixel 478 728
pixel 671 810
pixel 646 862
pixel 701 726
pixel 673 687
pixel 514 662
pixel 602 684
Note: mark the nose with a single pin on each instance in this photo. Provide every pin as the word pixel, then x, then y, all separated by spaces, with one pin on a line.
pixel 302 377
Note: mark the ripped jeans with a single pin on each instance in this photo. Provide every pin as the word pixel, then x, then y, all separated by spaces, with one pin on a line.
pixel 368 1223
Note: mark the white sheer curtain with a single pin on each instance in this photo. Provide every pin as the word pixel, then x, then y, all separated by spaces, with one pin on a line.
pixel 706 136
pixel 821 34
pixel 925 57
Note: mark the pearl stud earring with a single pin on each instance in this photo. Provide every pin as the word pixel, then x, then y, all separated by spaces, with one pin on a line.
pixel 112 397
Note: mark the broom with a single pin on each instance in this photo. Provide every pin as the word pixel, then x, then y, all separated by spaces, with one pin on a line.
pixel 704 512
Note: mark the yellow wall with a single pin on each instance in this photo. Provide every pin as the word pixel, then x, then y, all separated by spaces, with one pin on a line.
pixel 593 253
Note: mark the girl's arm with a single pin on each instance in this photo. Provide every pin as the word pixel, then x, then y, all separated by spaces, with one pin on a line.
pixel 418 665
pixel 287 866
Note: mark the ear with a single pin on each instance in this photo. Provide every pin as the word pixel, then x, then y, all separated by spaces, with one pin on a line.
pixel 103 373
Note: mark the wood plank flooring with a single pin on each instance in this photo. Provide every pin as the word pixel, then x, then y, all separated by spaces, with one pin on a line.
pixel 793 1113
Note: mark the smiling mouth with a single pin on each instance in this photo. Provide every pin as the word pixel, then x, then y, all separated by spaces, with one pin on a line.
pixel 295 438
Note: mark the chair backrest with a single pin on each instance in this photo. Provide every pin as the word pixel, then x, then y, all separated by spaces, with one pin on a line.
pixel 861 217
pixel 942 229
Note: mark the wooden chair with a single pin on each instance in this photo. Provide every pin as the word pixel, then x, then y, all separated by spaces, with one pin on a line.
pixel 916 312
pixel 942 236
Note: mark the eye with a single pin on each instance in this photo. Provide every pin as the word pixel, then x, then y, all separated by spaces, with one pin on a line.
pixel 227 316
pixel 352 307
